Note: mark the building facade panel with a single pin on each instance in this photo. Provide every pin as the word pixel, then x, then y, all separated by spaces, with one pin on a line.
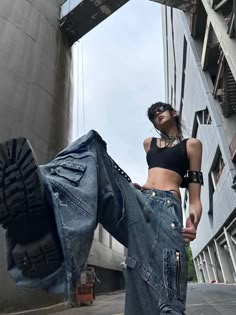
pixel 204 77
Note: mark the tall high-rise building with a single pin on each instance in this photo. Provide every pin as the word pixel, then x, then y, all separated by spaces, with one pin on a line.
pixel 200 74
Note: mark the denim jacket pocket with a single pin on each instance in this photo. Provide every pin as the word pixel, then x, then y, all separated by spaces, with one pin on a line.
pixel 145 272
pixel 69 170
pixel 130 262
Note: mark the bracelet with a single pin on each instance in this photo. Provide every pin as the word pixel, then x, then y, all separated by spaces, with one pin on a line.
pixel 192 177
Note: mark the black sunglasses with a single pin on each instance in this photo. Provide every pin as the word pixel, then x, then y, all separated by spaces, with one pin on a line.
pixel 163 108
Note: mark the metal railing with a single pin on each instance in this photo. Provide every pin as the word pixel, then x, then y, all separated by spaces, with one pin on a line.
pixel 228 9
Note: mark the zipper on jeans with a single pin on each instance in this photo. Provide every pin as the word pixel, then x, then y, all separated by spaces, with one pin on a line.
pixel 178 267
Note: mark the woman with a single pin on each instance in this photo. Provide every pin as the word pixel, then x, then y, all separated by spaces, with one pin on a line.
pixel 168 122
pixel 83 186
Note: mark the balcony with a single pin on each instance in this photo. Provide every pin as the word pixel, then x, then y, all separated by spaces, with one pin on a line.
pixel 225 87
pixel 228 9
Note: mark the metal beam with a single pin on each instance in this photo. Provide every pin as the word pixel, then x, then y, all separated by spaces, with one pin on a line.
pixel 219 5
pixel 83 15
pixel 219 73
pixel 234 9
pixel 231 25
pixel 205 45
pixel 78 17
pixel 184 5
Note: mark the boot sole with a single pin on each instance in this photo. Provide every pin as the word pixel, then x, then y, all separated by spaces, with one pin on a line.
pixel 24 212
pixel 38 259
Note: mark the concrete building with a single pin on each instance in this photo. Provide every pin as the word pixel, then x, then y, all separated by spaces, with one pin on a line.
pixel 36 88
pixel 200 74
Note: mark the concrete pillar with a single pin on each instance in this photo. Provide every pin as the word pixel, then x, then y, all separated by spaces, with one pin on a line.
pixel 206 279
pixel 196 266
pixel 232 250
pixel 200 270
pixel 223 260
pixel 213 262
pixel 208 265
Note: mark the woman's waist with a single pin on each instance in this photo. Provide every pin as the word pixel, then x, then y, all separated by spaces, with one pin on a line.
pixel 163 184
pixel 174 190
pixel 158 175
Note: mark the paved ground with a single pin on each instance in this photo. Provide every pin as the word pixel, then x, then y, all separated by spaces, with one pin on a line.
pixel 211 299
pixel 111 304
pixel 203 299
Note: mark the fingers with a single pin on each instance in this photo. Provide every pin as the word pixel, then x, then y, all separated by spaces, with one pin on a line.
pixel 187 241
pixel 194 220
pixel 189 234
pixel 136 185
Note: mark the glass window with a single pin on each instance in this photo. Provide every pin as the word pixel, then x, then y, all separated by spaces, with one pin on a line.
pixel 217 168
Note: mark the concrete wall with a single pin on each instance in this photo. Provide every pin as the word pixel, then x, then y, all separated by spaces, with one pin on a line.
pixel 106 252
pixel 35 89
pixel 36 74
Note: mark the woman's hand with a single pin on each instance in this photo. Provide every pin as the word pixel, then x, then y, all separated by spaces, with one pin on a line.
pixel 137 186
pixel 189 233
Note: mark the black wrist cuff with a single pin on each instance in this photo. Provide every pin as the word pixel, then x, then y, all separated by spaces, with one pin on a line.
pixel 192 177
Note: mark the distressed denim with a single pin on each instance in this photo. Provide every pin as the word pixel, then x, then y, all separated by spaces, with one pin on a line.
pixel 85 186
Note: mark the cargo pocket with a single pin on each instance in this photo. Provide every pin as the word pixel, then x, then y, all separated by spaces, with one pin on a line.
pixel 145 273
pixel 69 171
pixel 130 262
pixel 175 274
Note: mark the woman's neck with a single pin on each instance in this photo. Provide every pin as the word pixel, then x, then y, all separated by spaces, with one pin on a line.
pixel 171 132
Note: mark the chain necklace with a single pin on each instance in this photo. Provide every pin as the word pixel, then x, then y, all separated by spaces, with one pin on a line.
pixel 170 141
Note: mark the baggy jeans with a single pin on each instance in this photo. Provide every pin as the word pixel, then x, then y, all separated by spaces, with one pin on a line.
pixel 85 186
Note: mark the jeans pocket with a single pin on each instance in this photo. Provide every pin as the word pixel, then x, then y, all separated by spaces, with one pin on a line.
pixel 68 170
pixel 175 273
pixel 175 213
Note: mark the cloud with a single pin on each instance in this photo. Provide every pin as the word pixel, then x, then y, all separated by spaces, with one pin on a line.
pixel 122 76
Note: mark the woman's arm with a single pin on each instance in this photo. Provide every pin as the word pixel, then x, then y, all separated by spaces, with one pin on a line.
pixel 146 145
pixel 194 149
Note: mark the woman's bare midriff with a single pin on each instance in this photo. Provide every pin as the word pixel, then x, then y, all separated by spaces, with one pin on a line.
pixel 163 179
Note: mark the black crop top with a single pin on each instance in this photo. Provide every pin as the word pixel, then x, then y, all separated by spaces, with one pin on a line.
pixel 172 158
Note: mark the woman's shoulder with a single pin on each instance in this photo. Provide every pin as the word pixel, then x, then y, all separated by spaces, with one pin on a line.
pixel 193 142
pixel 147 143
pixel 147 140
pixel 194 147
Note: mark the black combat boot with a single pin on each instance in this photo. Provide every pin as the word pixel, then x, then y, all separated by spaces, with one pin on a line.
pixel 25 212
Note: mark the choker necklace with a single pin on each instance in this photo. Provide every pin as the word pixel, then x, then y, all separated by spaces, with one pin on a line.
pixel 171 140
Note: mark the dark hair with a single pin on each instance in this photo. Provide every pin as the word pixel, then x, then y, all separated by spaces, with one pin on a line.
pixel 152 112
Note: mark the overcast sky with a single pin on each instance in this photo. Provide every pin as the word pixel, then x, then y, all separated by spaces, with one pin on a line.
pixel 120 75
